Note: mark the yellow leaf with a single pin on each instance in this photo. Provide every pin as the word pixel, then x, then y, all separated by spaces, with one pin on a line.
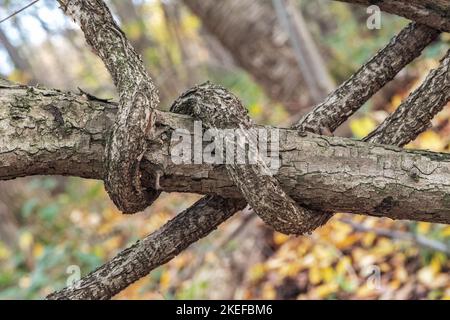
pixel 395 102
pixel 445 232
pixel 368 239
pixel 328 274
pixel 191 23
pixel 435 264
pixel 133 30
pixel 112 244
pixel 423 227
pixel 268 292
pixel 290 269
pixel 362 127
pixel 366 291
pixel 257 272
pixel 343 265
pixel 348 241
pixel 181 261
pixel 395 284
pixel 255 109
pixel 401 274
pixel 325 290
pixel 384 247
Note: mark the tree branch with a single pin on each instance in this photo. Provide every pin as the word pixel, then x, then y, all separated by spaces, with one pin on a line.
pixel 138 101
pixel 411 118
pixel 158 248
pixel 112 288
pixel 49 132
pixel 419 239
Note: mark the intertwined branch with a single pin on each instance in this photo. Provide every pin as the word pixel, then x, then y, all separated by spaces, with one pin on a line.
pixel 138 98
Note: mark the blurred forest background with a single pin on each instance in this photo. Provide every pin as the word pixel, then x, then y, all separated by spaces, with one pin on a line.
pixel 48 224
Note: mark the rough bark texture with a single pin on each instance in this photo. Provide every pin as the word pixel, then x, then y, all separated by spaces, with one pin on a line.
pixel 237 25
pixel 156 249
pixel 411 118
pixel 66 133
pixel 433 13
pixel 219 109
pixel 389 170
pixel 15 55
pixel 138 100
pixel 368 80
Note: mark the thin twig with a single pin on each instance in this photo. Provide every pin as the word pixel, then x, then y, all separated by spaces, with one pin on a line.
pixel 18 11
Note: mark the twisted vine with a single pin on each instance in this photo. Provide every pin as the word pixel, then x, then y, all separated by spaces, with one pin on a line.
pixel 217 108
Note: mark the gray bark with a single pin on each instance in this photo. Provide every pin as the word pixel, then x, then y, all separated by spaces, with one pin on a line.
pixel 138 101
pixel 219 109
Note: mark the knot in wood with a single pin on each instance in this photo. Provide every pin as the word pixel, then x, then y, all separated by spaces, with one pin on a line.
pixel 217 108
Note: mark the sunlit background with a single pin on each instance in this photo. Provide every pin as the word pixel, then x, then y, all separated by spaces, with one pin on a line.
pixel 48 224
